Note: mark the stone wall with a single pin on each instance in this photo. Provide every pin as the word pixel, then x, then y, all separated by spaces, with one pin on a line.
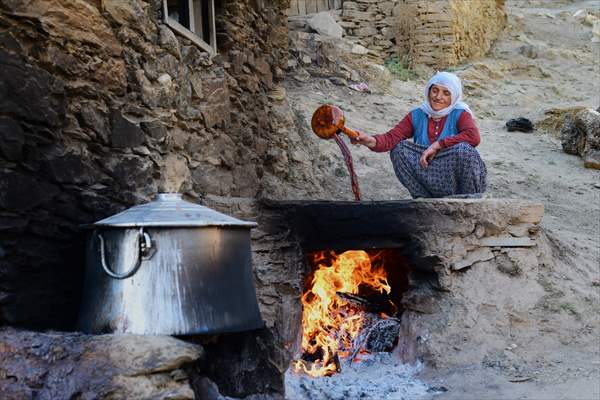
pixel 442 33
pixel 371 23
pixel 102 105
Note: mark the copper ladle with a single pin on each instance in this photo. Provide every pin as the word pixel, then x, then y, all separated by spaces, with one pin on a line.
pixel 328 120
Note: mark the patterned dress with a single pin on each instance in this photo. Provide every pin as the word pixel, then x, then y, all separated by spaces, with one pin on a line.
pixel 457 169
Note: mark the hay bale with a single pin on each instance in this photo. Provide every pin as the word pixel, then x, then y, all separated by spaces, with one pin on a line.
pixel 441 33
pixel 554 120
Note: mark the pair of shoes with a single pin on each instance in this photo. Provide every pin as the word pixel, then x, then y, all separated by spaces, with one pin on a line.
pixel 519 124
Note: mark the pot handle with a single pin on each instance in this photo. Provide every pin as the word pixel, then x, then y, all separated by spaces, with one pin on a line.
pixel 144 246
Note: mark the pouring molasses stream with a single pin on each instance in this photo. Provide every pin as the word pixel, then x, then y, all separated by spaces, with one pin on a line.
pixel 328 122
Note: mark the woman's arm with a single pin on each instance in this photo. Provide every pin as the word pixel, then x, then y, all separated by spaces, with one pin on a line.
pixel 467 132
pixel 387 141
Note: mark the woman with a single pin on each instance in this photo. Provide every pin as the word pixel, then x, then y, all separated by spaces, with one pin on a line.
pixel 441 160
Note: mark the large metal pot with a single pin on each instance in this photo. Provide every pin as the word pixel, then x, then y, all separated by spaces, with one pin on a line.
pixel 169 267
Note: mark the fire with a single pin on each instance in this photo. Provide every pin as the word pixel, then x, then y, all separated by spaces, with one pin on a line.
pixel 329 323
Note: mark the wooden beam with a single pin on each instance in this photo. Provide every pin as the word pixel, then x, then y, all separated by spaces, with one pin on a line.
pixel 293 10
pixel 212 25
pixel 183 31
pixel 302 7
pixel 322 5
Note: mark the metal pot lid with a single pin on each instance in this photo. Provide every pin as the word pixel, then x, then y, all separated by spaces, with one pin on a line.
pixel 170 210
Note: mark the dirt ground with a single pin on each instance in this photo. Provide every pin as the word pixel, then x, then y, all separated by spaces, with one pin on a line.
pixel 544 59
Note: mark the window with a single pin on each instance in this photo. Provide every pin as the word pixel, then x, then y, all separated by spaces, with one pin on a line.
pixel 194 19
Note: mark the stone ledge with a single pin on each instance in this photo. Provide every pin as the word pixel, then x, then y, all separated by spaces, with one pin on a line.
pixel 71 365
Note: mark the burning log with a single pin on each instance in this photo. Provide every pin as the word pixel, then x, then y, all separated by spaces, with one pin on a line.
pixel 373 303
pixel 383 335
pixel 378 335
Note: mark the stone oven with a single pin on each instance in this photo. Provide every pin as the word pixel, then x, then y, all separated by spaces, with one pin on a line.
pixel 435 246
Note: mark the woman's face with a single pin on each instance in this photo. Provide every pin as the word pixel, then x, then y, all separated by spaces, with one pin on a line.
pixel 439 97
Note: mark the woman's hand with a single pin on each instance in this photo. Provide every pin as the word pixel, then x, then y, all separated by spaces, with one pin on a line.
pixel 364 139
pixel 429 154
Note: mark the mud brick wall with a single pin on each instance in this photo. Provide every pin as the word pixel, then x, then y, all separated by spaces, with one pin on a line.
pixel 102 105
pixel 442 33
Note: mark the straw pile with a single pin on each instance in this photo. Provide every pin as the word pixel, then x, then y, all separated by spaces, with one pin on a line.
pixel 441 33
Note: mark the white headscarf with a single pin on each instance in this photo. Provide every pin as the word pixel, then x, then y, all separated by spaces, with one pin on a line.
pixel 453 84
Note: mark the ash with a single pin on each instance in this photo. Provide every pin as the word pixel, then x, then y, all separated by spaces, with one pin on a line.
pixel 377 376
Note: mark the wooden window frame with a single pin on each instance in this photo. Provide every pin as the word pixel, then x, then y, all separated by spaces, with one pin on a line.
pixel 210 47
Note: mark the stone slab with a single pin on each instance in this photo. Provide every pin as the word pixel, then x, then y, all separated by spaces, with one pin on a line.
pixel 506 241
pixel 481 254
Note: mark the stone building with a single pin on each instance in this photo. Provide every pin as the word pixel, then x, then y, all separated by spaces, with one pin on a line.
pixel 439 33
pixel 105 103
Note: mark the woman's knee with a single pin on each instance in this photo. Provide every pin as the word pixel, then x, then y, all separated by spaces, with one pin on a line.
pixel 464 147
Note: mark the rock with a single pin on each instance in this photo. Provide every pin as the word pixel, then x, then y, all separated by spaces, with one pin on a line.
pixel 248 357
pixel 352 14
pixel 367 31
pixel 505 264
pixel 306 60
pixel 11 139
pixel 154 129
pixel 580 15
pixel 124 11
pixel 596 31
pixel 572 138
pixel 71 365
pixel 85 23
pixel 292 63
pixel 588 122
pixel 165 80
pixel 42 100
pixel 338 81
pixel 581 136
pixel 23 192
pixel 91 117
pixel 296 23
pixel 216 115
pixel 196 82
pixel 133 173
pixel 360 50
pixel 174 174
pixel 278 94
pixel 590 20
pixel 592 159
pixel 70 168
pixel 168 40
pixel 124 133
pixel 480 254
pixel 324 24
pixel 301 75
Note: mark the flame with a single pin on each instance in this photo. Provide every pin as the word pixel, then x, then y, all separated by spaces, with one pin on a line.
pixel 330 324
